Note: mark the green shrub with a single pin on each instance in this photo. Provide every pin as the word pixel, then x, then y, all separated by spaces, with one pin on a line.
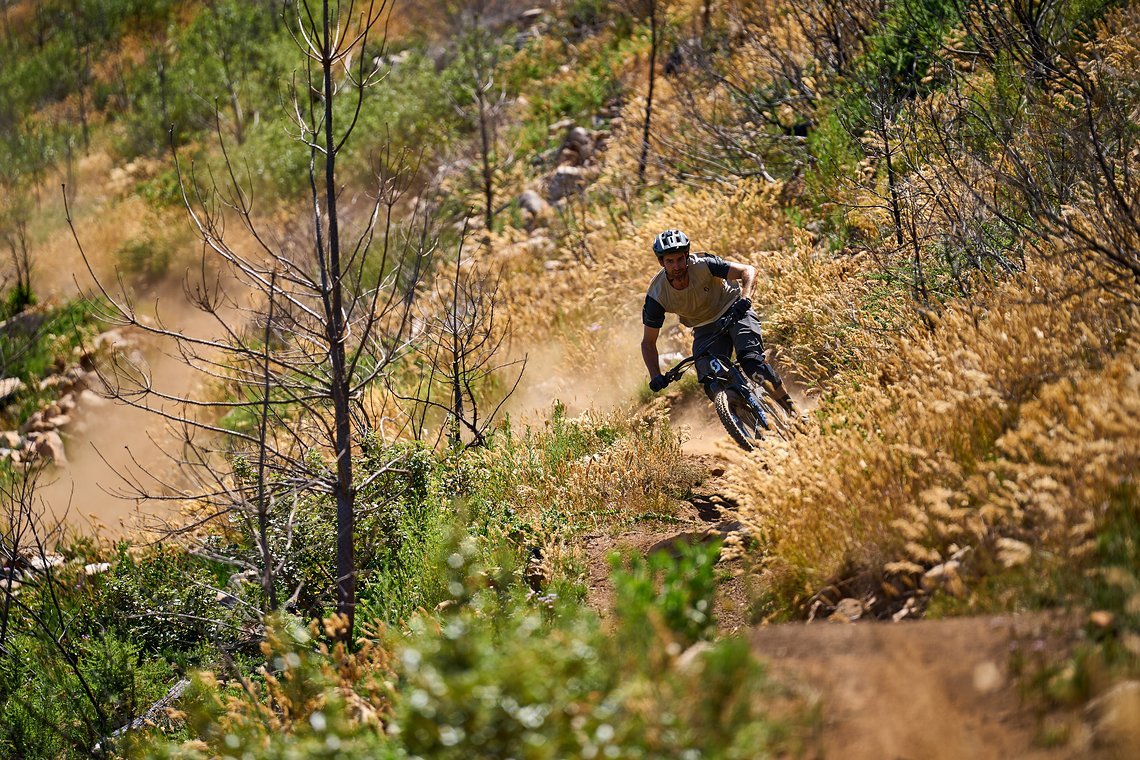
pixel 162 600
pixel 676 591
pixel 50 713
pixel 38 343
pixel 298 705
pixel 502 676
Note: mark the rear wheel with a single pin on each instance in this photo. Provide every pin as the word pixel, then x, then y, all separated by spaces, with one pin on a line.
pixel 738 419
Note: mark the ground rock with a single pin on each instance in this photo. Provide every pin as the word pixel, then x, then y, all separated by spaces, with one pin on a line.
pixel 987 677
pixel 10 439
pixel 580 144
pixel 89 399
pixel 111 339
pixel 847 611
pixel 40 563
pixel 534 205
pixel 35 423
pixel 50 445
pixel 53 381
pixel 540 245
pixel 95 568
pixel 10 386
pixel 565 181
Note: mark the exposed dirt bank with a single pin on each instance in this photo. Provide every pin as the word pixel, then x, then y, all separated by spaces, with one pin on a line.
pixel 915 690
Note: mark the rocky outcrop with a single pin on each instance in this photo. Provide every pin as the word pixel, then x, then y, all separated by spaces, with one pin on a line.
pixel 42 434
pixel 534 207
pixel 566 181
pixel 49 446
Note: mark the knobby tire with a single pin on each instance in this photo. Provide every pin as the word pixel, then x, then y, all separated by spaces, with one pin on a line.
pixel 731 422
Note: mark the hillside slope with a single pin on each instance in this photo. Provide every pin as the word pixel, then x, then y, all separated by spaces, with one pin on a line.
pixel 940 201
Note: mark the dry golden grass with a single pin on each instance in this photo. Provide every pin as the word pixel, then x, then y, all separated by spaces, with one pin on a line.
pixel 1011 420
pixel 1001 428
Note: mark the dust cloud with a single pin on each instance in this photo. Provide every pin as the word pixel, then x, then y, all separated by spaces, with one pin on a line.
pixel 108 439
pixel 602 373
pixel 110 442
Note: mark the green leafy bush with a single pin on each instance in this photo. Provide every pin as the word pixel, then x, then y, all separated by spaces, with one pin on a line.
pixel 49 712
pixel 676 591
pixel 163 600
pixel 500 675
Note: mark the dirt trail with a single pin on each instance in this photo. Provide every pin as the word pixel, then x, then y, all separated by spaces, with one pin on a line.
pixel 914 690
pixel 919 690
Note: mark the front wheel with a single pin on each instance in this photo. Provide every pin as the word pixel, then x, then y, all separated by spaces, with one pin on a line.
pixel 738 419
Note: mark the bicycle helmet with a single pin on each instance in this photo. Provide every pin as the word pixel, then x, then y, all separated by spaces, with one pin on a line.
pixel 670 241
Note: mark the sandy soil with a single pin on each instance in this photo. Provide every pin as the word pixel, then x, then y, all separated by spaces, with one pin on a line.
pixel 914 690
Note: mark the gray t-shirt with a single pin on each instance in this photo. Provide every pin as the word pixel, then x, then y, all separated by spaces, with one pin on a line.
pixel 708 295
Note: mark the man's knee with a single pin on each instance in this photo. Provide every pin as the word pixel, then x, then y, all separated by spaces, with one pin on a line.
pixel 761 370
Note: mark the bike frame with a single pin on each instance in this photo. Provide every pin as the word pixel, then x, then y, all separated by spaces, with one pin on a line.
pixel 725 372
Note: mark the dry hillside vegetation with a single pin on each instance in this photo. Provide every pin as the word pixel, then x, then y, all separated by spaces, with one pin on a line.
pixel 942 220
pixel 981 432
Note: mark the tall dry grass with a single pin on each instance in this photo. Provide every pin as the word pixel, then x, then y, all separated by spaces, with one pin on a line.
pixel 1002 430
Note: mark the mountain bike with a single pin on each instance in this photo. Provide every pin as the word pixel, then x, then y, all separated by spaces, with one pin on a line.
pixel 745 408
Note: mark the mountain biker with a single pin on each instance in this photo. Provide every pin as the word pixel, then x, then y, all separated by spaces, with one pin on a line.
pixel 700 289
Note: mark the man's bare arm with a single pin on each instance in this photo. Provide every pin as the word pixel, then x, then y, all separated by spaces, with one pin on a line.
pixel 746 274
pixel 649 351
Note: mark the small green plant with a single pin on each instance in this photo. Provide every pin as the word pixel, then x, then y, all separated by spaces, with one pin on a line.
pixel 674 591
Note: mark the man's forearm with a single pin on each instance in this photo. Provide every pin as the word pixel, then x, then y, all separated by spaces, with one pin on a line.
pixel 747 280
pixel 652 360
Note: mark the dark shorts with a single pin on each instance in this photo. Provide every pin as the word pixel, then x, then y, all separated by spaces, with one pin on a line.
pixel 744 337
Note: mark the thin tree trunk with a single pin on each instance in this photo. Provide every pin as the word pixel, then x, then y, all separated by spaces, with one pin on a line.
pixel 334 303
pixel 649 96
pixel 485 149
pixel 456 375
pixel 268 584
pixel 892 181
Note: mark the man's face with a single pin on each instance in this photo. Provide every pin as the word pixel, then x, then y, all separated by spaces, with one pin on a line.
pixel 676 266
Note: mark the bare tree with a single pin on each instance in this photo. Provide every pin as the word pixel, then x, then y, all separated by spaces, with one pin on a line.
pixel 461 343
pixel 14 217
pixel 654 12
pixel 1053 154
pixel 307 323
pixel 25 155
pixel 473 24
